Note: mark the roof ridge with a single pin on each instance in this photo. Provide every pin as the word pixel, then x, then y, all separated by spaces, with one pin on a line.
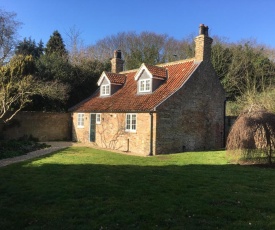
pixel 129 71
pixel 176 62
pixel 152 65
pixel 114 73
pixel 160 65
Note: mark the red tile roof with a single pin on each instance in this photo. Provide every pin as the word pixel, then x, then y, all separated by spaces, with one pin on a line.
pixel 116 78
pixel 157 71
pixel 126 99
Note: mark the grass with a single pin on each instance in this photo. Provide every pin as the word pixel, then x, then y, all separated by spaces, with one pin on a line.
pixel 83 188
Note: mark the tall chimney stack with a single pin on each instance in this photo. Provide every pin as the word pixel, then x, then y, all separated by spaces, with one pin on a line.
pixel 117 62
pixel 203 45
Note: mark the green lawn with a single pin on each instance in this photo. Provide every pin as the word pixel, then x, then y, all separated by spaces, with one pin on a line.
pixel 83 188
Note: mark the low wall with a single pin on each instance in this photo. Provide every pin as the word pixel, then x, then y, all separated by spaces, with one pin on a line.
pixel 44 126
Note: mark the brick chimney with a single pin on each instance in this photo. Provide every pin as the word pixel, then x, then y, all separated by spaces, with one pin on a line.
pixel 117 62
pixel 203 44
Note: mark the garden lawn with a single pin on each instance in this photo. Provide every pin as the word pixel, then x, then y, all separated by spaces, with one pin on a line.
pixel 84 188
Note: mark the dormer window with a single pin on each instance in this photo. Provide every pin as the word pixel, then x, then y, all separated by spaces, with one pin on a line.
pixel 149 78
pixel 105 90
pixel 109 83
pixel 145 85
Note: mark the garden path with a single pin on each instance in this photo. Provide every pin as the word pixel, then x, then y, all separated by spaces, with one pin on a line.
pixel 55 146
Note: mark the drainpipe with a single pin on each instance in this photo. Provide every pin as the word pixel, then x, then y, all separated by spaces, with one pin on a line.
pixel 151 133
pixel 224 125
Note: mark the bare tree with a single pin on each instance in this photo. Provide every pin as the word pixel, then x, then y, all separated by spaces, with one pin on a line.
pixel 75 44
pixel 8 34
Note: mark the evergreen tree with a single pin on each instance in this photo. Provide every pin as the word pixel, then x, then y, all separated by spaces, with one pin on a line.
pixel 29 47
pixel 56 45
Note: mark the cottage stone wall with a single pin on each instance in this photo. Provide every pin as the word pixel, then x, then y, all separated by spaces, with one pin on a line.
pixel 111 132
pixel 192 118
pixel 45 126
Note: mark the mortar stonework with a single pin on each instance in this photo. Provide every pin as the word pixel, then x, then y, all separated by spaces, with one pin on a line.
pixel 111 134
pixel 193 118
pixel 44 126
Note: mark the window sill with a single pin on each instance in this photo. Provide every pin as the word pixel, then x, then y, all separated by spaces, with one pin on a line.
pixel 130 131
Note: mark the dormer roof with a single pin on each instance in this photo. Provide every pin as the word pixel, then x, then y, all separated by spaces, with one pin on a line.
pixel 112 78
pixel 152 71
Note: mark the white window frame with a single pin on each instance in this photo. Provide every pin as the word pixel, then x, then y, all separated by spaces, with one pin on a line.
pixel 98 118
pixel 80 120
pixel 145 85
pixel 131 122
pixel 105 90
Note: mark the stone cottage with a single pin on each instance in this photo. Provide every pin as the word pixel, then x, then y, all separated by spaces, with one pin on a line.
pixel 166 108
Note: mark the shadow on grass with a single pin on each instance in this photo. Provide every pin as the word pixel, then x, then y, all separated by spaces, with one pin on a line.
pixel 52 196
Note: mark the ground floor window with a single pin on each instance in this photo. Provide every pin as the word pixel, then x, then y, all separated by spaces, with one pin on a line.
pixel 80 120
pixel 131 122
pixel 98 118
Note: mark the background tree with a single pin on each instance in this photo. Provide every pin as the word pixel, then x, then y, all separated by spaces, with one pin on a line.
pixel 18 85
pixel 55 45
pixel 81 76
pixel 8 34
pixel 146 47
pixel 246 71
pixel 29 47
pixel 86 74
pixel 77 50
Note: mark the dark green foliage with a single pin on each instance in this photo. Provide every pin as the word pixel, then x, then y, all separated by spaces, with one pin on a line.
pixel 81 78
pixel 84 83
pixel 244 69
pixel 13 148
pixel 221 60
pixel 29 47
pixel 55 45
pixel 19 84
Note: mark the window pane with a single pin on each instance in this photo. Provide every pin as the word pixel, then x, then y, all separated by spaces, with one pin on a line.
pixel 133 122
pixel 147 85
pixel 80 119
pixel 141 85
pixel 98 118
pixel 128 121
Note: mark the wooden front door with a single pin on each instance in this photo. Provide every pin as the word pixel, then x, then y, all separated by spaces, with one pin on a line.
pixel 92 127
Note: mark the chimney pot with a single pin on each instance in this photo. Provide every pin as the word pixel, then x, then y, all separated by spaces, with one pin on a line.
pixel 117 62
pixel 117 54
pixel 203 30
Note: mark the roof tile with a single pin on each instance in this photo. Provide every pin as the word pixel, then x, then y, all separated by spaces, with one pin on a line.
pixel 116 78
pixel 157 71
pixel 127 99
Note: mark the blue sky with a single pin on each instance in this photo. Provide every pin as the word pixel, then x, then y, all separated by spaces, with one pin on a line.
pixel 96 19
